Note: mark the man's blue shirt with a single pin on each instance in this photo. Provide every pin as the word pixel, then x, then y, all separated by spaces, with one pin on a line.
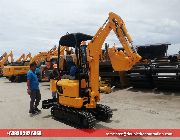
pixel 32 77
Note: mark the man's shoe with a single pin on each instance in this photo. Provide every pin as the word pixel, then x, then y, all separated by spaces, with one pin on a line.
pixel 37 110
pixel 32 112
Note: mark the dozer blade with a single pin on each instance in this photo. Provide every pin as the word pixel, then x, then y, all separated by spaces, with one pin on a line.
pixel 46 104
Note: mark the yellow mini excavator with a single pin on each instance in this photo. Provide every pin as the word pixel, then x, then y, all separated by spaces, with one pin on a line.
pixel 77 99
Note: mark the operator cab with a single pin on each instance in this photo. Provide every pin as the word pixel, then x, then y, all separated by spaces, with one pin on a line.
pixel 75 40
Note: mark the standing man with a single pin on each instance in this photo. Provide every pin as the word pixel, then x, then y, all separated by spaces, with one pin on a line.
pixel 33 89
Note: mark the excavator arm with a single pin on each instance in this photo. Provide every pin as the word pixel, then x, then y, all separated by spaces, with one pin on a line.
pixel 2 56
pixel 121 60
pixel 63 48
pixel 47 55
pixel 40 57
pixel 5 59
pixel 22 57
pixel 28 56
pixel 52 50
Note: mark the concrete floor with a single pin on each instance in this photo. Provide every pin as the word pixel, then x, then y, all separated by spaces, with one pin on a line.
pixel 132 108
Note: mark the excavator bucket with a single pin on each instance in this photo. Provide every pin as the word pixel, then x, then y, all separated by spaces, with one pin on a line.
pixel 119 60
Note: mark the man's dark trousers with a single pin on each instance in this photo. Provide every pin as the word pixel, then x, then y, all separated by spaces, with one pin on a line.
pixel 35 99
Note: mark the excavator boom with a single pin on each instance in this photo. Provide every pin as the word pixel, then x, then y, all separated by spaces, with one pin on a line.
pixel 121 60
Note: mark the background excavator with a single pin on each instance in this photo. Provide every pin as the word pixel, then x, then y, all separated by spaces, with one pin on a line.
pixel 17 72
pixel 14 69
pixel 77 99
pixel 46 69
pixel 4 61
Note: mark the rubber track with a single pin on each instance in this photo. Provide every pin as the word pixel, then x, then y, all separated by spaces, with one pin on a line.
pixel 73 117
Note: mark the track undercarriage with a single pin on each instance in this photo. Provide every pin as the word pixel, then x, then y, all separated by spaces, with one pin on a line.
pixel 79 118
